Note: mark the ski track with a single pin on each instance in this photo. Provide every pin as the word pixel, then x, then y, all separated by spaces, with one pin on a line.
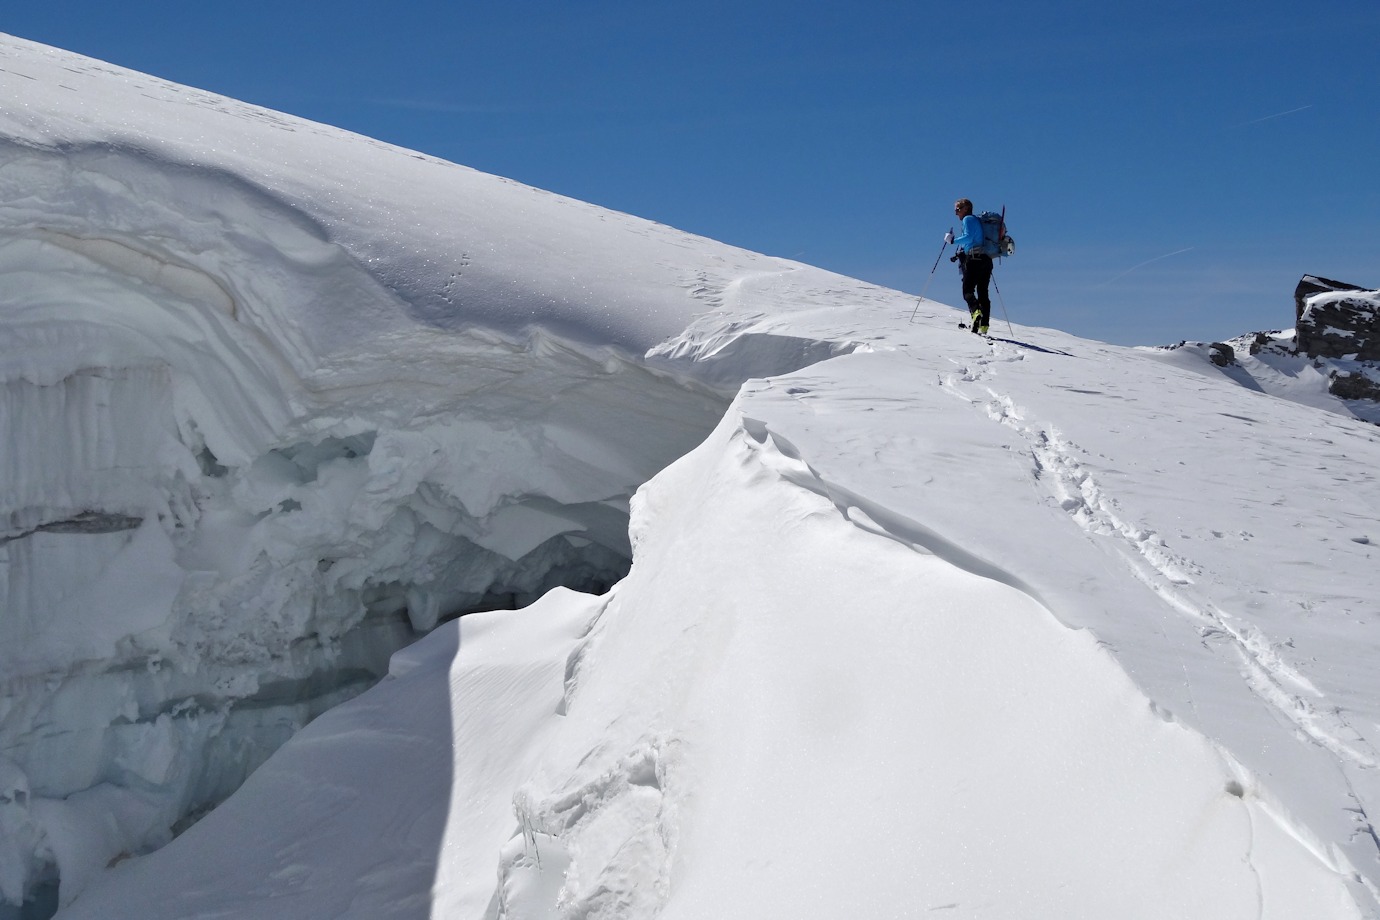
pixel 1055 468
pixel 1168 574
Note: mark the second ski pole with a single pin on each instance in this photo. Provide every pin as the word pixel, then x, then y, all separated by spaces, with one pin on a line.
pixel 931 277
pixel 1001 300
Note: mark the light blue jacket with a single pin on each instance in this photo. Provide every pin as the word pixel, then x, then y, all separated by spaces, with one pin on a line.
pixel 972 235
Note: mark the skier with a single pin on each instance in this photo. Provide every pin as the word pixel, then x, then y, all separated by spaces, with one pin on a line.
pixel 974 265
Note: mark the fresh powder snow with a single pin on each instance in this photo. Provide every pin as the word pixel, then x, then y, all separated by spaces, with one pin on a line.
pixel 386 539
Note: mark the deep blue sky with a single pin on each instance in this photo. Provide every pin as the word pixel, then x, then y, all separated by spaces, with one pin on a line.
pixel 1169 169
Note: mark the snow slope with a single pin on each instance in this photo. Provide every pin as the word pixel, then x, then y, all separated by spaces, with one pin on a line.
pixel 1270 362
pixel 917 623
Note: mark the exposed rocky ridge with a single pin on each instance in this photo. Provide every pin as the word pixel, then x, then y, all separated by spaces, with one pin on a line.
pixel 1336 320
pixel 1331 359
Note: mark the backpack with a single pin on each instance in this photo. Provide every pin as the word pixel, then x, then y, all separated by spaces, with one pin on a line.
pixel 995 240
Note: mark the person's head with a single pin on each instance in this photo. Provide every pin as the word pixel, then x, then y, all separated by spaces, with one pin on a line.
pixel 963 207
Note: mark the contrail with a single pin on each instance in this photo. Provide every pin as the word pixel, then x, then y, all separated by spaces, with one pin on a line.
pixel 1256 121
pixel 1143 264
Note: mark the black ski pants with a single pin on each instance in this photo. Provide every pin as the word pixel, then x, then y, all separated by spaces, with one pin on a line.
pixel 976 270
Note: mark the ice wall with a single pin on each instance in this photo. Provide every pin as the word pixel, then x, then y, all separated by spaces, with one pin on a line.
pixel 215 521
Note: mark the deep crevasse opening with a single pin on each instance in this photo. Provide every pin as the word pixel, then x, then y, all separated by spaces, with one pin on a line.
pixel 219 520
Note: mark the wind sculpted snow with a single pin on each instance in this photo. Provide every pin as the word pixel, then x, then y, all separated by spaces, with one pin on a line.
pixel 925 624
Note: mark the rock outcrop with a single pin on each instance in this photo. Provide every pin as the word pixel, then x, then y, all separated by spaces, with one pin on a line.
pixel 1337 320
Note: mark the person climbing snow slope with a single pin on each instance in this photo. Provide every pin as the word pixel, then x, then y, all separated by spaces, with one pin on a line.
pixel 974 265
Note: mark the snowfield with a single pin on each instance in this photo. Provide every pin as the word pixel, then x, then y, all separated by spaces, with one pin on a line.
pixel 782 596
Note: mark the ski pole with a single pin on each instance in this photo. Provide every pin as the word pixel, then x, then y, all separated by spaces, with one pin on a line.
pixel 931 278
pixel 1001 300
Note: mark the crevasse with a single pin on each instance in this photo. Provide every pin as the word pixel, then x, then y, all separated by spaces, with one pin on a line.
pixel 216 521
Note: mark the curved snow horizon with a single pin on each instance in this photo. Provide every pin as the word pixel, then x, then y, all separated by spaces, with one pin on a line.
pixel 828 606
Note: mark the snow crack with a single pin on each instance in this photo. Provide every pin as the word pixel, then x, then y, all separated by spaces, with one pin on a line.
pixel 777 454
pixel 87 522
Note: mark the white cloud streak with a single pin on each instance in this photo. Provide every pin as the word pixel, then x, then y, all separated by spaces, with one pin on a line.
pixel 1143 264
pixel 1256 121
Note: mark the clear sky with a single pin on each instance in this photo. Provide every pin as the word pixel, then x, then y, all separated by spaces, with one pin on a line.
pixel 1169 169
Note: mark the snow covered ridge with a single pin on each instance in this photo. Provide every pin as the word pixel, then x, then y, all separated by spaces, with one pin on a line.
pixel 275 399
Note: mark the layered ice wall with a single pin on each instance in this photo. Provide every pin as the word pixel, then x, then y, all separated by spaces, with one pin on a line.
pixel 203 546
pixel 273 400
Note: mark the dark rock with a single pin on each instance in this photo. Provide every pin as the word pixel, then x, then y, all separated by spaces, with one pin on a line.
pixel 1332 326
pixel 1223 355
pixel 1353 386
pixel 1314 284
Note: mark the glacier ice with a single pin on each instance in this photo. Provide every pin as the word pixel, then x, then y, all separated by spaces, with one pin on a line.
pixel 216 522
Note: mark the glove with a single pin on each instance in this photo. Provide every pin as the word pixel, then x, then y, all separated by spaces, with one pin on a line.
pixel 953 258
pixel 948 238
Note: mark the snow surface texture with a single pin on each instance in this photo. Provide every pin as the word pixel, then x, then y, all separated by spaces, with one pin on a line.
pixel 1033 627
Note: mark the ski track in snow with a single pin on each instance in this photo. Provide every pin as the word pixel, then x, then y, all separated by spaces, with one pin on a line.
pixel 1056 468
pixel 1165 572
